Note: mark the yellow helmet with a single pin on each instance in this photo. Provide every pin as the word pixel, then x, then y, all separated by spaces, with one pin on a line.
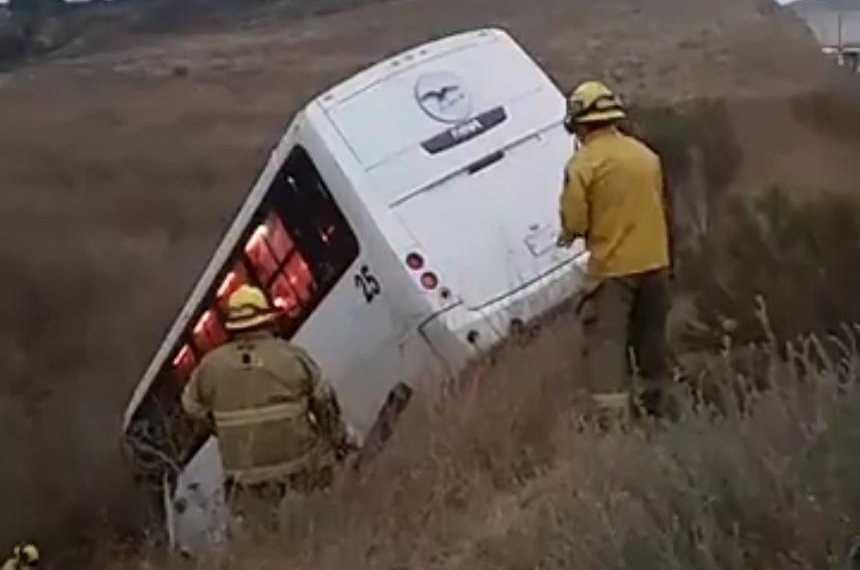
pixel 247 308
pixel 593 102
pixel 27 555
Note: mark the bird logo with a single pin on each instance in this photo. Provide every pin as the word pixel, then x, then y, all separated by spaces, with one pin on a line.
pixel 440 94
pixel 442 97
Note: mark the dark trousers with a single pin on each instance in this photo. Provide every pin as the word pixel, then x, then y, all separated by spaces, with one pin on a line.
pixel 261 501
pixel 626 317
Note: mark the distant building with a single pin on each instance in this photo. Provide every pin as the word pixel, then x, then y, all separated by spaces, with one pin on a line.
pixel 836 25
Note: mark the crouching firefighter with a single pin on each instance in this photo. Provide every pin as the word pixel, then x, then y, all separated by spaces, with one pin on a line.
pixel 614 197
pixel 278 424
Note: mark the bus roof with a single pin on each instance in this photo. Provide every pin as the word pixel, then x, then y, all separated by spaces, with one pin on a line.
pixel 395 64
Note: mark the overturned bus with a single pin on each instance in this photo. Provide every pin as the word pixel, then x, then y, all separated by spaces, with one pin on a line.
pixel 405 221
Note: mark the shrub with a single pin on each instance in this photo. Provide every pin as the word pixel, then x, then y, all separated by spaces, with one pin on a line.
pixel 700 154
pixel 832 111
pixel 798 256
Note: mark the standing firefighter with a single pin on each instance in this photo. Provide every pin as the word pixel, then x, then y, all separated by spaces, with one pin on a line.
pixel 614 198
pixel 24 557
pixel 278 424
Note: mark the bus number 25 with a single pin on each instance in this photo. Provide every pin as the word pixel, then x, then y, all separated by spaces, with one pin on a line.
pixel 368 284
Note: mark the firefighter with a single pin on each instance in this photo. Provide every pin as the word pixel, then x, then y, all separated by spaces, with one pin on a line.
pixel 614 198
pixel 277 422
pixel 24 557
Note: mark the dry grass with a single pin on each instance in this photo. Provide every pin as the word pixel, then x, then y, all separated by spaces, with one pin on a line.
pixel 498 476
pixel 798 255
pixel 92 249
pixel 760 472
pixel 833 110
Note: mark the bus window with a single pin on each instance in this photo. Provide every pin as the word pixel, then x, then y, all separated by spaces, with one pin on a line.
pixel 296 247
pixel 300 243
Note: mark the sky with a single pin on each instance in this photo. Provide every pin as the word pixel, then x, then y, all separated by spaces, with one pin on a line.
pixel 778 1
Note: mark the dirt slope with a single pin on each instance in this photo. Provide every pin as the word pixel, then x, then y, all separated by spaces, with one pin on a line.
pixel 119 170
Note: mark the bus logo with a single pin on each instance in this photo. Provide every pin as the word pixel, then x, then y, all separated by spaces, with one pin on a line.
pixel 466 131
pixel 443 97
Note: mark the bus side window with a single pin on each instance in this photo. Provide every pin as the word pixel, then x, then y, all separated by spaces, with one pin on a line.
pixel 296 247
pixel 302 243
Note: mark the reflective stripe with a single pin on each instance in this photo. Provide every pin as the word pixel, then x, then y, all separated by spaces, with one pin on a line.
pixel 254 475
pixel 252 416
pixel 246 311
pixel 612 400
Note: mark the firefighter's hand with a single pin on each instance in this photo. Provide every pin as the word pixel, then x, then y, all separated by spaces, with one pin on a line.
pixel 564 240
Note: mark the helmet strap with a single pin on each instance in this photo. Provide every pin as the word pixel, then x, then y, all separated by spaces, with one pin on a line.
pixel 570 123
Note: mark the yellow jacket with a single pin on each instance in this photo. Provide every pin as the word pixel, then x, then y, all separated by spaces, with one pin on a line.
pixel 613 196
pixel 273 415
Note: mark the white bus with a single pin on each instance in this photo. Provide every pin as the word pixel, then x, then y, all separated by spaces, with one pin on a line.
pixel 405 221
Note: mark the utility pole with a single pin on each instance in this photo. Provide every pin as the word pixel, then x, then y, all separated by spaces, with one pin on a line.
pixel 840 50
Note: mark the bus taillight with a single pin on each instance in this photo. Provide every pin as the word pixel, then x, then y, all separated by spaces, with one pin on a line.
pixel 414 261
pixel 429 280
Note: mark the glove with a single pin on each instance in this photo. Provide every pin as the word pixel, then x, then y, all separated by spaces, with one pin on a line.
pixel 564 240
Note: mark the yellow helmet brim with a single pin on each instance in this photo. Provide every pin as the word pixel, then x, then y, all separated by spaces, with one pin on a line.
pixel 602 116
pixel 249 322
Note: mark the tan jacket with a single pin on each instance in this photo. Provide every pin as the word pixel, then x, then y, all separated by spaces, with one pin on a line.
pixel 273 415
pixel 10 564
pixel 614 197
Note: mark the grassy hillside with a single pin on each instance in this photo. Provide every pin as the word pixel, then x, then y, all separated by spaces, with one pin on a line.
pixel 120 168
pixel 499 475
